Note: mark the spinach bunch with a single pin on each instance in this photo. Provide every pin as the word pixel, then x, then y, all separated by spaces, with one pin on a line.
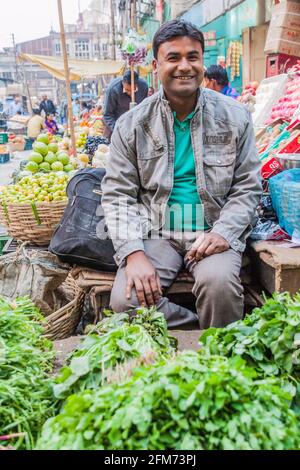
pixel 268 339
pixel 26 358
pixel 192 401
pixel 113 341
pixel 149 318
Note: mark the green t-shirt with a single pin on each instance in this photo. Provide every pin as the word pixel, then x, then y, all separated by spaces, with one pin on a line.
pixel 187 214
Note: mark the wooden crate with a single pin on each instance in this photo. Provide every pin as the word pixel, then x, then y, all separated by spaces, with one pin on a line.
pixel 276 274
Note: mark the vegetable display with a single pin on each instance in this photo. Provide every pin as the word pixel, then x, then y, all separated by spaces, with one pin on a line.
pixel 46 157
pixel 192 401
pixel 113 341
pixel 268 339
pixel 26 398
pixel 37 188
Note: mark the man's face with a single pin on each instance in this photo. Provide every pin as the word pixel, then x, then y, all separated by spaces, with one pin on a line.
pixel 179 65
pixel 45 97
pixel 127 88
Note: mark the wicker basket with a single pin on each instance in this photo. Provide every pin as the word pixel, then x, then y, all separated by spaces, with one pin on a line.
pixel 62 323
pixel 34 223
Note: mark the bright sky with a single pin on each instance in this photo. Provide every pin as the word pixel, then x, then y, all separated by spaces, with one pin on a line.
pixel 31 19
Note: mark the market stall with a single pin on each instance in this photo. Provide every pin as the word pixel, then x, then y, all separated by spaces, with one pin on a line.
pixel 126 383
pixel 275 248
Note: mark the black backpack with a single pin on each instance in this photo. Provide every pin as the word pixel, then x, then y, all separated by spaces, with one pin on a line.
pixel 81 238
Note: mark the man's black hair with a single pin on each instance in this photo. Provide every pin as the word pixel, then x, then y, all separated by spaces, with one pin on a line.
pixel 36 111
pixel 176 28
pixel 218 73
pixel 127 77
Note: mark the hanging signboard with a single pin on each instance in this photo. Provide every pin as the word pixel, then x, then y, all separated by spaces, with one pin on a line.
pixel 210 38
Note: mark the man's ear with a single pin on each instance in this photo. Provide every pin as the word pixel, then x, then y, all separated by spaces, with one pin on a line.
pixel 154 66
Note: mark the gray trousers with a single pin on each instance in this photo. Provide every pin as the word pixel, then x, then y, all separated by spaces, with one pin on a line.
pixel 217 288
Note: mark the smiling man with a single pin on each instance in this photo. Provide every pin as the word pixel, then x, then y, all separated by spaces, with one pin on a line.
pixel 181 189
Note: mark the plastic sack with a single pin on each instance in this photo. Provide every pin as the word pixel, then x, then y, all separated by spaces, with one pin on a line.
pixel 268 230
pixel 38 274
pixel 285 193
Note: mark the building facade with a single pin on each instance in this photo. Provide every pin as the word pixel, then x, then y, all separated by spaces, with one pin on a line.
pixel 225 24
pixel 88 39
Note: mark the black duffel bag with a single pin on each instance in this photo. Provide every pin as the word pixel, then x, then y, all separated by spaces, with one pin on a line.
pixel 82 238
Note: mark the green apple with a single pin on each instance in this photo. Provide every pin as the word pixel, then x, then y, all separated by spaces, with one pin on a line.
pixel 45 166
pixel 53 147
pixel 43 138
pixel 64 159
pixel 35 157
pixel 68 167
pixel 32 166
pixel 41 148
pixel 50 158
pixel 57 166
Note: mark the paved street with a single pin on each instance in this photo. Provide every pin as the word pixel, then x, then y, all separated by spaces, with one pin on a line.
pixel 6 169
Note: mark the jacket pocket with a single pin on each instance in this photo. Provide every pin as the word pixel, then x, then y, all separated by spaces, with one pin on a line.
pixel 152 166
pixel 219 171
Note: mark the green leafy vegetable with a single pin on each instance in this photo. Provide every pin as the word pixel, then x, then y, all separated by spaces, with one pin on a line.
pixel 192 401
pixel 26 357
pixel 115 340
pixel 268 339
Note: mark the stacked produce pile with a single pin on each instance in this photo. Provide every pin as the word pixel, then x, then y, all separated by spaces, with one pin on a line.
pixel 93 143
pixel 202 400
pixel 37 188
pixel 46 157
pixel 16 142
pixel 26 359
pixel 289 102
pixel 248 96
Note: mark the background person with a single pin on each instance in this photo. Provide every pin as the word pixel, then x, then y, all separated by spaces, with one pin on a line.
pixel 51 124
pixel 216 78
pixel 47 106
pixel 76 108
pixel 118 98
pixel 84 110
pixel 35 125
pixel 15 107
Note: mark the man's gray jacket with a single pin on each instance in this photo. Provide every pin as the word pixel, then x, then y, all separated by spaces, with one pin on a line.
pixel 140 170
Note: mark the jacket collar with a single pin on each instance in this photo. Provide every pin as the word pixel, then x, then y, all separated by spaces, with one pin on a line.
pixel 200 103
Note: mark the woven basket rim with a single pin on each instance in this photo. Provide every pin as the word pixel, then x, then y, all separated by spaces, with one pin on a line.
pixel 62 323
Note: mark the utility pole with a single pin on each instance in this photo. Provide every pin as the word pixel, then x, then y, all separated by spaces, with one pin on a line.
pixel 132 24
pixel 67 74
pixel 113 29
pixel 133 14
pixel 22 75
pixel 16 59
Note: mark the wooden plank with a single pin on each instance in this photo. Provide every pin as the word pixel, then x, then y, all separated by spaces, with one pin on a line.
pixel 274 278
